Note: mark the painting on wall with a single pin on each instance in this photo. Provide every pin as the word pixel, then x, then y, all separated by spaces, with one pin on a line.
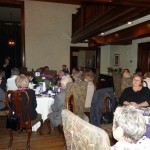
pixel 116 59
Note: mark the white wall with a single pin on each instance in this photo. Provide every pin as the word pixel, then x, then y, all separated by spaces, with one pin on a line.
pixel 128 55
pixel 105 59
pixel 47 34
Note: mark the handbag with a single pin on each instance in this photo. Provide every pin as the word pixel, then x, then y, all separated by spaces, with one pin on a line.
pixel 107 116
pixel 13 121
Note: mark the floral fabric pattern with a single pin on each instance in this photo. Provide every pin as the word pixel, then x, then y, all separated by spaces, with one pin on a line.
pixel 80 135
pixel 79 91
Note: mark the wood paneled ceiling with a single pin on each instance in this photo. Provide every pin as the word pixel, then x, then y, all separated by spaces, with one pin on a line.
pixel 135 3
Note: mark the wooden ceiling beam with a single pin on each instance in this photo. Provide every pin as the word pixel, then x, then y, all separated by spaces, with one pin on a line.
pixel 112 18
pixel 75 2
pixel 138 31
pixel 128 3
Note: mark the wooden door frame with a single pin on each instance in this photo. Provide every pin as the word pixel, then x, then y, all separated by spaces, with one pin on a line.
pixel 76 49
pixel 19 4
pixel 140 45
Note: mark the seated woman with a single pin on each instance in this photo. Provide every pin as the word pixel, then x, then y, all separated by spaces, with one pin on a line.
pixel 128 128
pixel 59 102
pixel 146 80
pixel 126 73
pixel 89 77
pixel 136 95
pixel 2 96
pixel 22 83
pixel 77 77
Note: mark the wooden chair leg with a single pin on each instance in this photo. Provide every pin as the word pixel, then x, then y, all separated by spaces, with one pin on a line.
pixel 40 129
pixel 11 138
pixel 28 140
pixel 48 126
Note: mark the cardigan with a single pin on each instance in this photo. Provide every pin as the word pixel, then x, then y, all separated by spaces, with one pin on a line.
pixel 131 96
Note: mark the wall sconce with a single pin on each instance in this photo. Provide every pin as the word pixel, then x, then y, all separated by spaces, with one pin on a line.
pixel 11 43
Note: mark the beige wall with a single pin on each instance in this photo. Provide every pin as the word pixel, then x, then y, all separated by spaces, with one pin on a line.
pixel 47 34
pixel 48 38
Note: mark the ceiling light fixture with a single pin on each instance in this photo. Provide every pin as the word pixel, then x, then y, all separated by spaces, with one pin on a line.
pixel 102 33
pixel 129 22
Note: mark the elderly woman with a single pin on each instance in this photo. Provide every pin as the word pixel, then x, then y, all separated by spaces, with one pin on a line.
pixel 89 77
pixel 126 73
pixel 22 83
pixel 128 128
pixel 57 107
pixel 136 95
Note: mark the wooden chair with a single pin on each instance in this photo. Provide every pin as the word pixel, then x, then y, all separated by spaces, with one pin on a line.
pixel 16 102
pixel 107 127
pixel 80 135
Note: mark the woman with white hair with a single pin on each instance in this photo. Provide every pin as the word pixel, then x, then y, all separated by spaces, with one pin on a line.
pixel 128 128
pixel 57 107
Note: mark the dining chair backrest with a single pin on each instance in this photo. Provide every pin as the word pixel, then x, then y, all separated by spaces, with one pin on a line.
pixel 117 84
pixel 125 83
pixel 79 134
pixel 14 103
pixel 79 91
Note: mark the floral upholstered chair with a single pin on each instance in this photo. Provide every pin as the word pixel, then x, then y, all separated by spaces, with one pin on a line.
pixel 80 135
pixel 125 83
pixel 78 90
pixel 117 84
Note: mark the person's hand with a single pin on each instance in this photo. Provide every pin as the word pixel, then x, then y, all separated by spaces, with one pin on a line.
pixel 134 104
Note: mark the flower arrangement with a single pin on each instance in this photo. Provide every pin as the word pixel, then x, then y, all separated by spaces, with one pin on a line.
pixel 111 69
pixel 48 79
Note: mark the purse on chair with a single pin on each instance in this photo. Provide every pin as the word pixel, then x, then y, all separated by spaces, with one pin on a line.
pixel 13 121
pixel 107 115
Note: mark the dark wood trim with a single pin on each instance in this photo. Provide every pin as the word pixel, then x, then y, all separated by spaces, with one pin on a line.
pixel 76 2
pixel 140 48
pixel 135 32
pixel 18 4
pixel 113 17
pixel 75 49
pixel 23 36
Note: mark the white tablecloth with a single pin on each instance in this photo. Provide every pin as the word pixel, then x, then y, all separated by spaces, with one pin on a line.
pixel 43 108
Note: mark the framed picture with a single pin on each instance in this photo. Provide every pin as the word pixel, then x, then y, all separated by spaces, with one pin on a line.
pixel 116 59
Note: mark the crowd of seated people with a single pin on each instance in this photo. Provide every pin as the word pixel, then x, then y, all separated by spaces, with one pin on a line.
pixel 137 96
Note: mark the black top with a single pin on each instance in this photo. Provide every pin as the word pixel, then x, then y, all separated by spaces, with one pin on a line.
pixel 7 70
pixel 32 105
pixel 138 97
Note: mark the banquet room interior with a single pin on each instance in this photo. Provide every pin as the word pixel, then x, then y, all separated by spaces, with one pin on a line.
pixel 83 33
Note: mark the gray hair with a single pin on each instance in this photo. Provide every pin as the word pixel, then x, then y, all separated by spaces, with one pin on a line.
pixel 131 121
pixel 65 80
pixel 77 75
pixel 14 71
